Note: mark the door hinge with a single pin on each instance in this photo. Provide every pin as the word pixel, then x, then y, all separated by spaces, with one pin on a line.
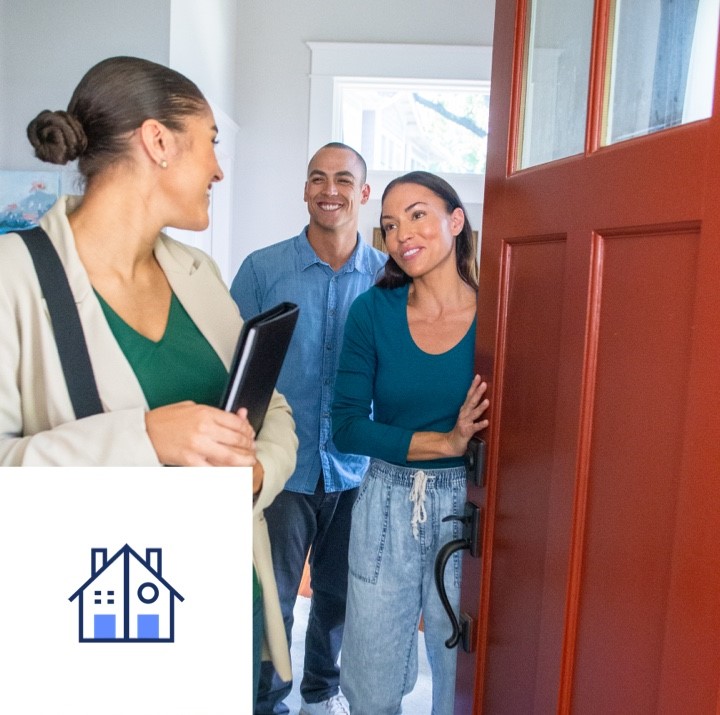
pixel 467 632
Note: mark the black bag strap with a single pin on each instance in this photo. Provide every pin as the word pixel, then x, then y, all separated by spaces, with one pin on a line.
pixel 69 336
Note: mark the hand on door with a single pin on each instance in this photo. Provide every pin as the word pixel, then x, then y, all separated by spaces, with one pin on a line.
pixel 468 421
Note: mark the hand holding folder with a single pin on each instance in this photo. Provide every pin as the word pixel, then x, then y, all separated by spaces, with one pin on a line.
pixel 257 361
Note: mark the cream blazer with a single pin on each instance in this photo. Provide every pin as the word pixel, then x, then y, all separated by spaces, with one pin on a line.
pixel 37 422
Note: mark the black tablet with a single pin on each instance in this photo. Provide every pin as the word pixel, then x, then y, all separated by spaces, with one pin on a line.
pixel 259 355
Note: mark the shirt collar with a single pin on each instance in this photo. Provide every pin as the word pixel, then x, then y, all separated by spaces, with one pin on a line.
pixel 359 260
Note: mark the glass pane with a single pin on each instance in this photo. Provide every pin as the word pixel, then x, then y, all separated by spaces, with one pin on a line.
pixel 556 77
pixel 662 65
pixel 416 126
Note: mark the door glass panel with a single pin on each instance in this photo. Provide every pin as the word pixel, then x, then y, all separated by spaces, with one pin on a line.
pixel 555 81
pixel 662 65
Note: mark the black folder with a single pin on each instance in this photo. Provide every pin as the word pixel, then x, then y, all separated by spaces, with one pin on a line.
pixel 259 355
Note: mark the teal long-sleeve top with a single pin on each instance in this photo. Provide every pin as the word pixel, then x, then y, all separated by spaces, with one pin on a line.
pixel 387 388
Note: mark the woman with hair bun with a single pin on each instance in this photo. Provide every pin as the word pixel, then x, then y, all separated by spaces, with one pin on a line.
pixel 159 323
pixel 406 396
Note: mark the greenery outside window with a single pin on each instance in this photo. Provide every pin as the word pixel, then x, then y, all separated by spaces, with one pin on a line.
pixel 405 126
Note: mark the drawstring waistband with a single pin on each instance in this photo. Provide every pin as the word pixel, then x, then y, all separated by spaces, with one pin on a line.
pixel 417 497
pixel 418 482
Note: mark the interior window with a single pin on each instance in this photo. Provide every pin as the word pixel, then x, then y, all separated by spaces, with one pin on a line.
pixel 406 126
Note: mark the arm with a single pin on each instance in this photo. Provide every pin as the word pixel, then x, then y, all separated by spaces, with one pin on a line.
pixel 37 425
pixel 184 434
pixel 86 442
pixel 354 432
pixel 436 445
pixel 245 290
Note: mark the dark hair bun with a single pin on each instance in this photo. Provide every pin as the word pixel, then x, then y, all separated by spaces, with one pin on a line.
pixel 57 137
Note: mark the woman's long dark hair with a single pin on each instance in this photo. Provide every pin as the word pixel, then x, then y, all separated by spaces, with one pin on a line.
pixel 393 276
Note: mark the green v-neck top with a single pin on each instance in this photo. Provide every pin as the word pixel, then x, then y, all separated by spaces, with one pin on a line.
pixel 182 365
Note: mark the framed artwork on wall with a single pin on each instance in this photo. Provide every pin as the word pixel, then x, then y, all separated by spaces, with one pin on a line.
pixel 378 240
pixel 25 196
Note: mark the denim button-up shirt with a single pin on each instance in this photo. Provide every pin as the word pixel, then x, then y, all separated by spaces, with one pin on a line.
pixel 291 271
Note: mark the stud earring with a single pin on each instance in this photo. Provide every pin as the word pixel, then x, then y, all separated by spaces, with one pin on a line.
pixel 163 164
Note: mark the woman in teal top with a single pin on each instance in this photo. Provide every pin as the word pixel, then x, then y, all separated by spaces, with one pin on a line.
pixel 406 396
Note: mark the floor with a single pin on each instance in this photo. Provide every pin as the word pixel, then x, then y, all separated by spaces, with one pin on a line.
pixel 415 703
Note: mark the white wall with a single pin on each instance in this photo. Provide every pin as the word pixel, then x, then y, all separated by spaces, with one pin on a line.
pixel 203 46
pixel 249 57
pixel 47 46
pixel 4 90
pixel 273 91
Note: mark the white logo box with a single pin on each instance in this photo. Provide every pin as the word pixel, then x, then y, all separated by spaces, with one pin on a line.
pixel 51 519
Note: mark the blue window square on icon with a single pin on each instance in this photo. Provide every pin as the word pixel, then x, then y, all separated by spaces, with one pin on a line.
pixel 104 626
pixel 148 626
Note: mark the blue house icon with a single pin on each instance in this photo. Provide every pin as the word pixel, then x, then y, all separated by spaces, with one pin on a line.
pixel 126 599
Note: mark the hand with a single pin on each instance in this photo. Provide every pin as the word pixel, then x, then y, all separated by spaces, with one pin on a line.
pixel 191 435
pixel 468 421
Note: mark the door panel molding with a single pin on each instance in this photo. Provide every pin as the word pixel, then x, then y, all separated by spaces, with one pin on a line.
pixel 528 557
pixel 628 479
pixel 684 237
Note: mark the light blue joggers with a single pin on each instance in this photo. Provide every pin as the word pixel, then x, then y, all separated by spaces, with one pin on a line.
pixel 397 531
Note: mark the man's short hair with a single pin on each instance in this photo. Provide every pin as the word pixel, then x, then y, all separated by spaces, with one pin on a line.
pixel 340 145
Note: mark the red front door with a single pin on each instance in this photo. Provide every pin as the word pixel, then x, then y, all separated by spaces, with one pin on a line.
pixel 599 330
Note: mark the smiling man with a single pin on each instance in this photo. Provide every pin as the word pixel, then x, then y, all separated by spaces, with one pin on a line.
pixel 322 269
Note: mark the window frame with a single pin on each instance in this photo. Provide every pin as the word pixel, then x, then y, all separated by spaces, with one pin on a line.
pixel 373 83
pixel 379 62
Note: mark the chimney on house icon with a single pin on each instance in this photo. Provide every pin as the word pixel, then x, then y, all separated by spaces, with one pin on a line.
pixel 99 559
pixel 153 558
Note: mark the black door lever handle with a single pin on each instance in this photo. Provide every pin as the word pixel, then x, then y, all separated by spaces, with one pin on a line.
pixel 472 523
